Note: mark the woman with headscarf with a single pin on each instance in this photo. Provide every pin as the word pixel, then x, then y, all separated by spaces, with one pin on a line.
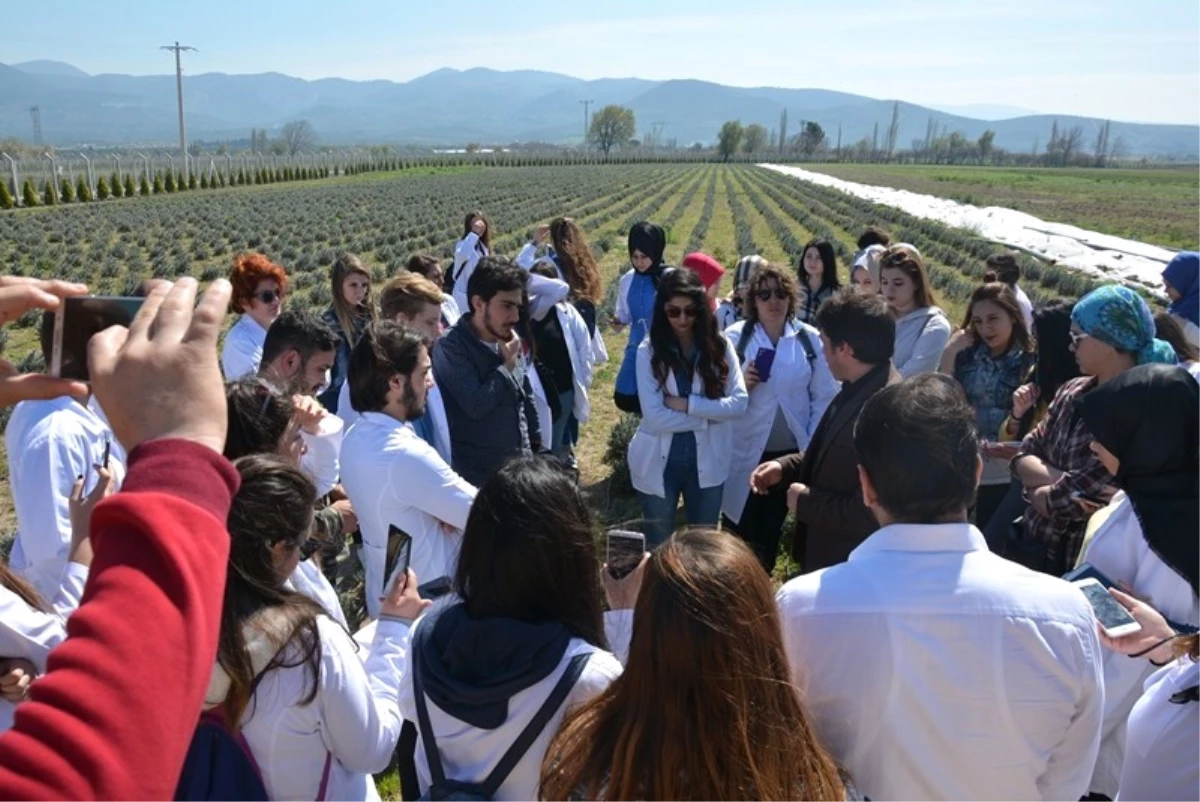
pixel 1145 539
pixel 1182 281
pixel 1112 330
pixel 635 305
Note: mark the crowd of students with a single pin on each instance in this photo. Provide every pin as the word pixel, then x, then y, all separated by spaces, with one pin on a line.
pixel 940 480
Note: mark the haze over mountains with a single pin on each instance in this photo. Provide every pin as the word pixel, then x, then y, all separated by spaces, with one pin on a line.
pixel 453 107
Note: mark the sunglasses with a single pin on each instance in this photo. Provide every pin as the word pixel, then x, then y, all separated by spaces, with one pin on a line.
pixel 897 258
pixel 310 547
pixel 268 296
pixel 766 295
pixel 674 312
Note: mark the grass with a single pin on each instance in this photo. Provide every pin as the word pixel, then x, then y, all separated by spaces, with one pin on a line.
pixel 1156 205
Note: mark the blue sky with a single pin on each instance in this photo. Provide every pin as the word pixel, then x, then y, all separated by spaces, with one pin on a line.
pixel 1104 58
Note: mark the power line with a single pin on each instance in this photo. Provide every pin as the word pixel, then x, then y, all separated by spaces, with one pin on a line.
pixel 178 48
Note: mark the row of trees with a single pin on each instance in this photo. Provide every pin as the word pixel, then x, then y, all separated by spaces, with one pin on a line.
pixel 1066 146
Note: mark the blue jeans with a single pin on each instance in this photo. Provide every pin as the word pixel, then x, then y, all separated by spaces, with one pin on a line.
pixel 701 505
pixel 558 439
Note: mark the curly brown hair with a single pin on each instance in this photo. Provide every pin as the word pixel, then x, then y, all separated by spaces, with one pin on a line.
pixel 760 280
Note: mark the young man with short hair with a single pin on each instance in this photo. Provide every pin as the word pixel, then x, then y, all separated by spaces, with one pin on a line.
pixel 393 477
pixel 482 372
pixel 857 337
pixel 934 669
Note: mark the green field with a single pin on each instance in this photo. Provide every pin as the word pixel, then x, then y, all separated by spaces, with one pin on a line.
pixel 725 210
pixel 1156 205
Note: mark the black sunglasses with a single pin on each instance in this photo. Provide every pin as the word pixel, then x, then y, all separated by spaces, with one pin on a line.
pixel 676 311
pixel 268 296
pixel 765 295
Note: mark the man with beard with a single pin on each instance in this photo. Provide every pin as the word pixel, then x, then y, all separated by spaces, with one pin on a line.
pixel 393 477
pixel 483 374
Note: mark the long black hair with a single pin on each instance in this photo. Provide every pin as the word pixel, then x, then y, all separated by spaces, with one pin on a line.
pixel 710 344
pixel 1056 364
pixel 527 552
pixel 829 276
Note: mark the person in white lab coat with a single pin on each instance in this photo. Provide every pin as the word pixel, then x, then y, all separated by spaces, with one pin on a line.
pixel 318 719
pixel 566 361
pixel 50 444
pixel 967 676
pixel 29 627
pixel 259 287
pixel 790 387
pixel 393 477
pixel 264 421
pixel 475 244
pixel 690 387
pixel 1145 424
pixel 525 614
pixel 922 328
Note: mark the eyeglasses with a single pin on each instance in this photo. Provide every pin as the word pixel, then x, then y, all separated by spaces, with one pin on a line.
pixel 766 295
pixel 1076 336
pixel 268 296
pixel 310 547
pixel 674 312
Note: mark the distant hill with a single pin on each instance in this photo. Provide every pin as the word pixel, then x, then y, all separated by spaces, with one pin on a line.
pixel 450 106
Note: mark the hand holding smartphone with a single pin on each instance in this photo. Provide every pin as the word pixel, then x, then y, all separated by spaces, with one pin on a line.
pixel 399 553
pixel 1114 619
pixel 76 320
pixel 624 552
pixel 764 358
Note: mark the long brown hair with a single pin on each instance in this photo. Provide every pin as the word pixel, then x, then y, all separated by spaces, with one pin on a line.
pixel 351 319
pixel 18 585
pixel 1000 294
pixel 908 260
pixel 274 503
pixel 575 259
pixel 705 708
pixel 710 344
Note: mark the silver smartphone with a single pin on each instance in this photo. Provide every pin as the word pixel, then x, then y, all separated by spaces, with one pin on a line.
pixel 1114 619
pixel 625 550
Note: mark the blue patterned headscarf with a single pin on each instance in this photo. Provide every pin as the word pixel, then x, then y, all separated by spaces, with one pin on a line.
pixel 1117 316
pixel 1183 273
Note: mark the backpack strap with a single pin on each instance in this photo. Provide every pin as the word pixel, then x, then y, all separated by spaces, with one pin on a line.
pixel 806 342
pixel 532 730
pixel 325 776
pixel 520 746
pixel 744 340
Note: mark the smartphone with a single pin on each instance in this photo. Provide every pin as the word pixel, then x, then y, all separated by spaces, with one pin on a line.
pixel 1088 571
pixel 399 552
pixel 1114 619
pixel 764 358
pixel 76 320
pixel 624 552
pixel 435 588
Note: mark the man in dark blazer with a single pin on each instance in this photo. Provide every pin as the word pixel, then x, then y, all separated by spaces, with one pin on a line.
pixel 857 335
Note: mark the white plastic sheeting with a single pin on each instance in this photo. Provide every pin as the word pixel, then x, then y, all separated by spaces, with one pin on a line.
pixel 1101 255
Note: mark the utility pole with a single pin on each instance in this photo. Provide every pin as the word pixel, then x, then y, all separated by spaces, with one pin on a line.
pixel 178 48
pixel 656 129
pixel 35 113
pixel 586 121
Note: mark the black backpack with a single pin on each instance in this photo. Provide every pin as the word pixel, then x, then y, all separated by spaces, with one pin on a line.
pixel 444 789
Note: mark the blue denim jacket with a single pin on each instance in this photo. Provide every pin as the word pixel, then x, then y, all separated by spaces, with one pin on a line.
pixel 989 383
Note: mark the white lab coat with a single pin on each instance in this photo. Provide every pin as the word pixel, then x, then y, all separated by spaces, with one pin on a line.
pixel 308 580
pixel 32 634
pixel 355 717
pixel 242 353
pixel 320 460
pixel 394 477
pixel 433 402
pixel 711 419
pixel 51 443
pixel 581 349
pixel 1119 550
pixel 466 257
pixel 802 391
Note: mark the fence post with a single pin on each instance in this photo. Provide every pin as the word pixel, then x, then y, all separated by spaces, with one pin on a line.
pixel 16 179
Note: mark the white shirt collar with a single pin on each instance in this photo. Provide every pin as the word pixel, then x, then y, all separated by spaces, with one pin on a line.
pixel 961 537
pixel 386 421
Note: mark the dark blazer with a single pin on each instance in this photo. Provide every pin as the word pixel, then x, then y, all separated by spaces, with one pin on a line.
pixel 491 417
pixel 832 520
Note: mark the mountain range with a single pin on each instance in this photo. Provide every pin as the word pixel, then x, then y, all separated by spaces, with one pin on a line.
pixel 454 107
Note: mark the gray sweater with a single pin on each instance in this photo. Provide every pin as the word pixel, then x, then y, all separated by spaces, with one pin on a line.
pixel 491 417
